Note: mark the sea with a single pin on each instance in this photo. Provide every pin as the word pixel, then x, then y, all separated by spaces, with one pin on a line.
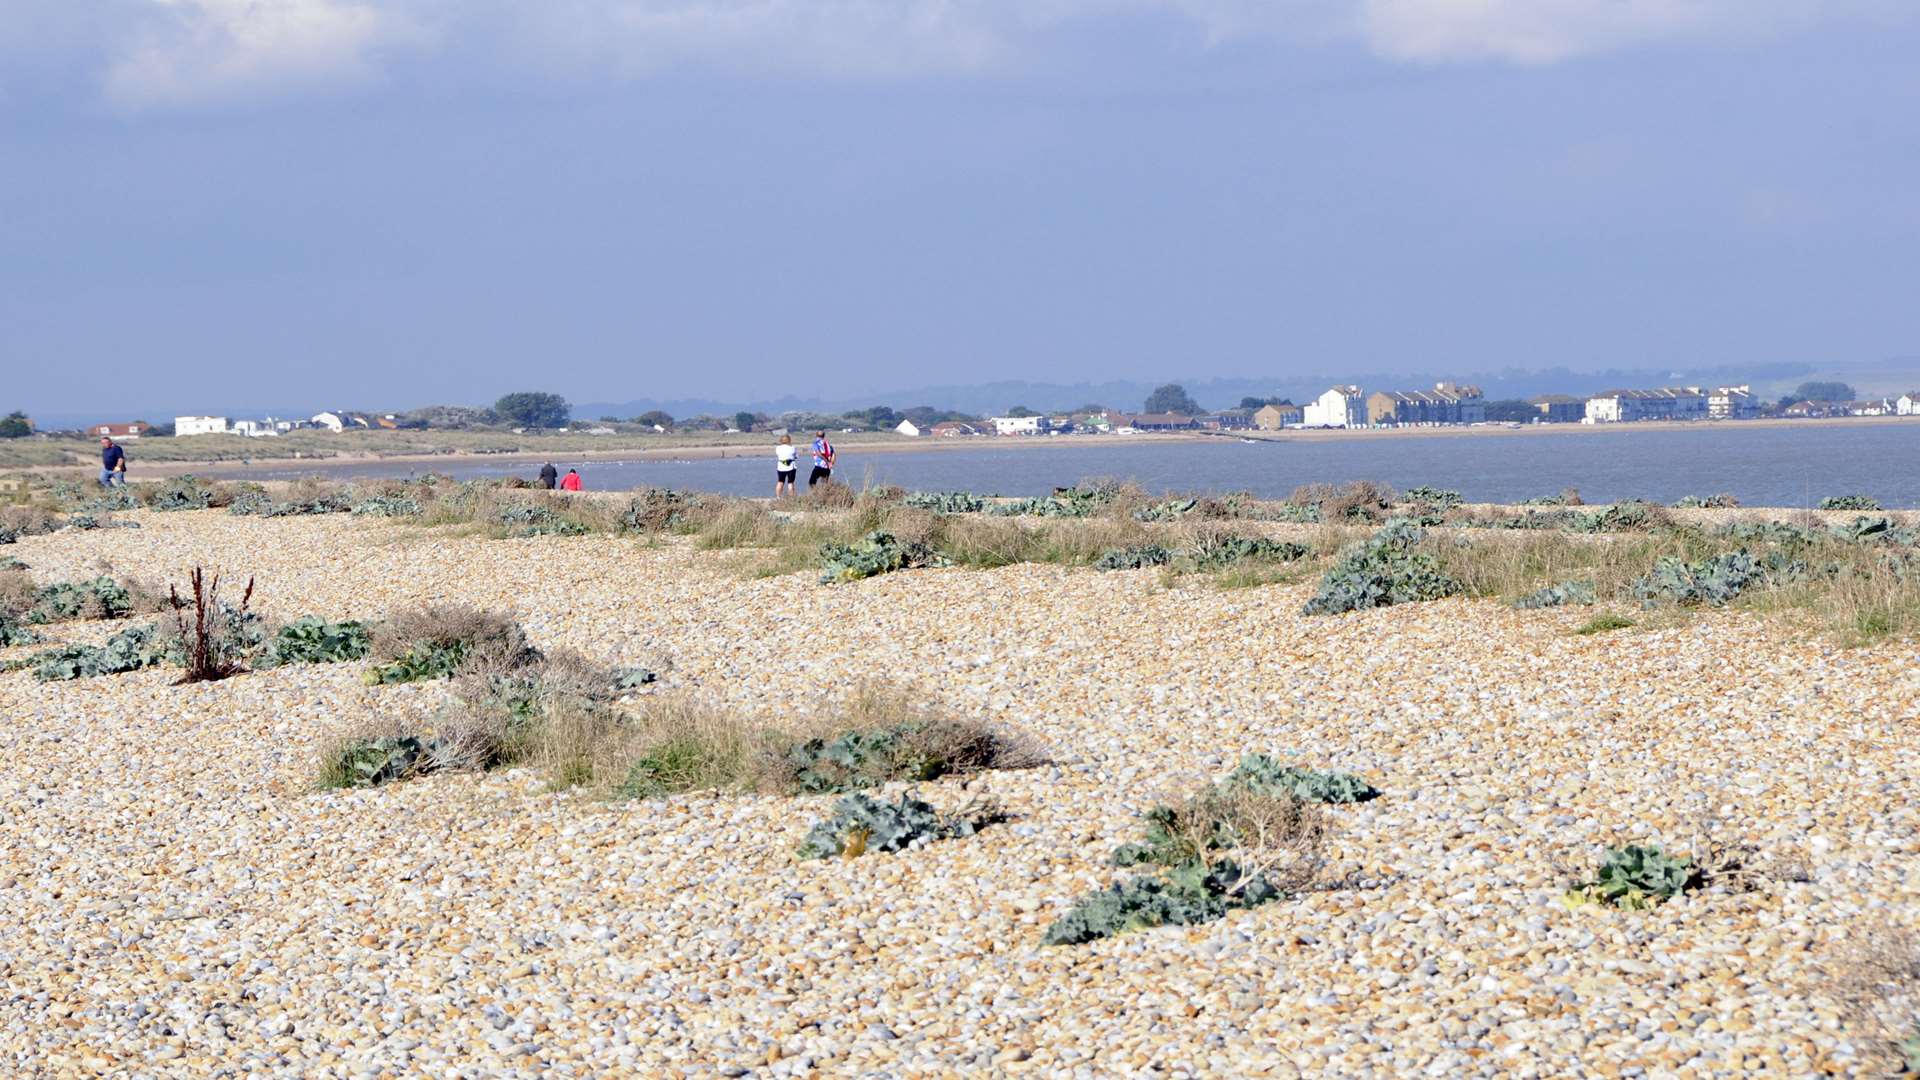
pixel 1760 465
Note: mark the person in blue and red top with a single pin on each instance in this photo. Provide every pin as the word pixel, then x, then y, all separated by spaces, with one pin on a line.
pixel 822 459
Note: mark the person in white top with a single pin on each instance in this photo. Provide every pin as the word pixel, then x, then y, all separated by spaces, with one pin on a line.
pixel 784 467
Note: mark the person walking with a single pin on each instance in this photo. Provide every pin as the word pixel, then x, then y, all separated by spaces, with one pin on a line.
pixel 549 476
pixel 822 459
pixel 571 481
pixel 785 468
pixel 113 463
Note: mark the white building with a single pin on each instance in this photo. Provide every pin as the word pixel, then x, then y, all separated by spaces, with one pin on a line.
pixel 1664 403
pixel 908 428
pixel 332 421
pixel 1019 425
pixel 253 429
pixel 1341 406
pixel 1732 403
pixel 1907 405
pixel 199 425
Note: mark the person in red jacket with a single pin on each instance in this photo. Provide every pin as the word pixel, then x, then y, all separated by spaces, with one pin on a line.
pixel 571 481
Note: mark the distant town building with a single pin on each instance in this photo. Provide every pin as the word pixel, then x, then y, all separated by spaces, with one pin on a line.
pixel 950 429
pixel 1664 403
pixel 1732 403
pixel 1446 403
pixel 1019 425
pixel 1230 420
pixel 1276 415
pixel 1341 406
pixel 121 431
pixel 1161 422
pixel 1907 405
pixel 199 425
pixel 340 421
pixel 253 429
pixel 1883 407
pixel 1560 408
pixel 908 428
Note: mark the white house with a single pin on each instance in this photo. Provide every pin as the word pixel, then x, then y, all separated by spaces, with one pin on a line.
pixel 1341 406
pixel 199 425
pixel 1907 405
pixel 1019 425
pixel 908 428
pixel 332 421
pixel 253 429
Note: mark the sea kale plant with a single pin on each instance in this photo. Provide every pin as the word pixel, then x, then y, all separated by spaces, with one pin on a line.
pixel 861 824
pixel 1636 877
pixel 1849 502
pixel 533 519
pixel 1262 775
pixel 1213 549
pixel 866 758
pixel 96 598
pixel 438 641
pixel 878 552
pixel 1706 502
pixel 1715 581
pixel 945 502
pixel 1133 558
pixel 136 647
pixel 373 761
pixel 1432 500
pixel 313 640
pixel 1382 570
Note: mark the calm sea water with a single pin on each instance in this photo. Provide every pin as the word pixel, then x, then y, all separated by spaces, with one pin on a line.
pixel 1761 466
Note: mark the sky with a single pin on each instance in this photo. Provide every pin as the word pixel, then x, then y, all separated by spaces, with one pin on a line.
pixel 391 203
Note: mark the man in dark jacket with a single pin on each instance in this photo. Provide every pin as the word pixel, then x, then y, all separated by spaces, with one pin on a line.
pixel 113 463
pixel 548 476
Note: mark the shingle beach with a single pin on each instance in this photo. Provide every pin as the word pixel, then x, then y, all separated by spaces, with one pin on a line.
pixel 180 900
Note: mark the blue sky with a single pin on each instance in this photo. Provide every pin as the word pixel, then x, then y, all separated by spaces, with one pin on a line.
pixel 396 202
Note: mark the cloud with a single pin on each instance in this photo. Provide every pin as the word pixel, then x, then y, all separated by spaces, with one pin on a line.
pixel 192 52
pixel 186 53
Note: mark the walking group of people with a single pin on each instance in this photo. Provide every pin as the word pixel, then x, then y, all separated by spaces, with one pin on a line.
pixel 786 465
pixel 786 468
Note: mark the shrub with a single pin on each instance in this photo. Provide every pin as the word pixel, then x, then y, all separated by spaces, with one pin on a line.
pixel 1708 502
pixel 136 647
pixel 1262 775
pixel 1561 595
pixel 1714 581
pixel 110 502
pixel 828 495
pixel 1636 878
pixel 875 553
pixel 436 641
pixel 1223 849
pixel 534 519
pixel 1382 570
pixel 1213 549
pixel 388 505
pixel 1605 622
pixel 945 502
pixel 1358 500
pixel 1133 558
pixel 654 510
pixel 1632 515
pixel 180 493
pixel 1849 502
pixel 312 640
pixel 1433 500
pixel 12 633
pixel 19 521
pixel 860 824
pixel 371 762
pixel 869 757
pixel 1167 510
pixel 97 598
pixel 301 501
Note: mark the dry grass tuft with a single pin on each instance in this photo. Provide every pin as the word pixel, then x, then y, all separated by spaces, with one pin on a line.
pixel 1875 978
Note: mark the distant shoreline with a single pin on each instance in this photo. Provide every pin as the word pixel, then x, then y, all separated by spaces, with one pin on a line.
pixel 857 448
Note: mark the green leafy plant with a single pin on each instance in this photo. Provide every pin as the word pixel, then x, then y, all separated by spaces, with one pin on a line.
pixel 1561 595
pixel 868 758
pixel 1715 581
pixel 1133 558
pixel 945 502
pixel 1849 502
pixel 96 598
pixel 313 640
pixel 533 519
pixel 861 824
pixel 12 633
pixel 876 553
pixel 1214 550
pixel 371 762
pixel 181 493
pixel 260 504
pixel 1433 500
pixel 1636 877
pixel 1382 570
pixel 1605 622
pixel 136 647
pixel 1262 775
pixel 438 641
pixel 388 505
pixel 1166 510
pixel 1707 502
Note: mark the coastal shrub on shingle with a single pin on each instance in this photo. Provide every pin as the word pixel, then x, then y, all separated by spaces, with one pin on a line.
pixel 136 647
pixel 13 633
pixel 215 640
pixel 1561 595
pixel 313 640
pixel 388 505
pixel 1133 558
pixel 109 502
pixel 1716 580
pixel 1382 570
pixel 436 641
pixel 875 553
pixel 1433 500
pixel 1262 775
pixel 19 521
pixel 1358 500
pixel 945 502
pixel 1212 549
pixel 369 762
pixel 860 824
pixel 1220 850
pixel 655 510
pixel 1635 878
pixel 180 493
pixel 1166 510
pixel 1707 502
pixel 95 598
pixel 869 757
pixel 534 519
pixel 1849 502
